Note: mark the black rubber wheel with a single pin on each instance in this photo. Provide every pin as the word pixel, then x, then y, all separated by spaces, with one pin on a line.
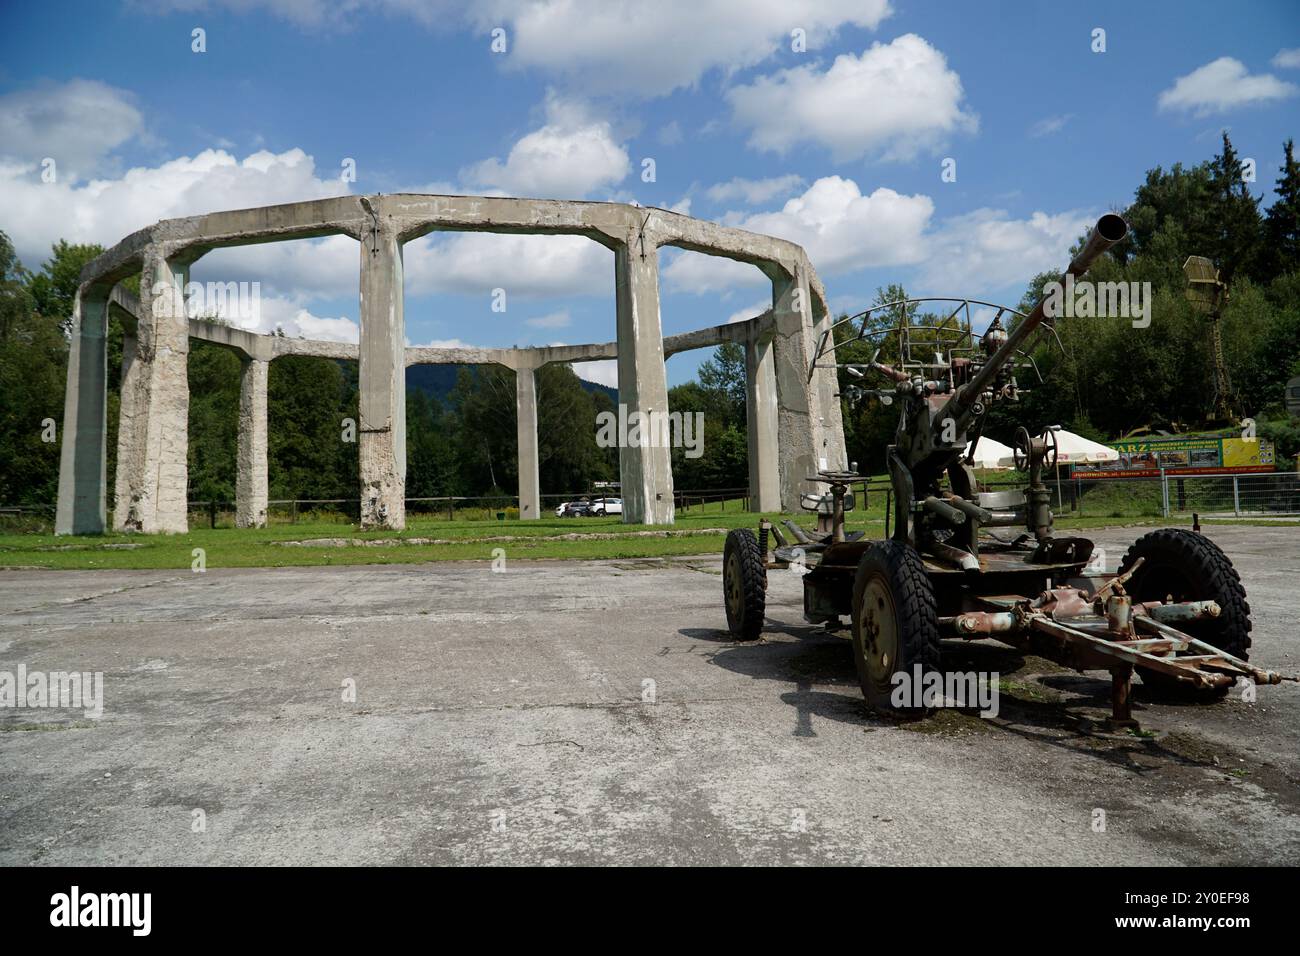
pixel 1186 566
pixel 744 584
pixel 895 622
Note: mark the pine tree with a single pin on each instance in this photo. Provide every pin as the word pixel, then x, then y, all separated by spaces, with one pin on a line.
pixel 1237 223
pixel 1283 224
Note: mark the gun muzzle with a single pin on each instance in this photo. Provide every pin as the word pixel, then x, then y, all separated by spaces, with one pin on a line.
pixel 1109 230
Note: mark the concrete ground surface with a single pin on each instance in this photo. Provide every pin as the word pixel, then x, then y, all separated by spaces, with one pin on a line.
pixel 510 718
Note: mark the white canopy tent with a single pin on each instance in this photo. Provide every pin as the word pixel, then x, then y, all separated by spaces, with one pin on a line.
pixel 1074 449
pixel 991 454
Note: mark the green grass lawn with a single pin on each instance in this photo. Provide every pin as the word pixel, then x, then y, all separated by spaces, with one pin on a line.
pixel 699 530
pixel 455 541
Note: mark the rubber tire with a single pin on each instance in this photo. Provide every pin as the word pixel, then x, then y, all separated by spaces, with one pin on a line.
pixel 1191 567
pixel 745 621
pixel 916 618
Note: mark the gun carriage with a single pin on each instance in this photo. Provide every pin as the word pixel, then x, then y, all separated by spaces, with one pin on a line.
pixel 957 562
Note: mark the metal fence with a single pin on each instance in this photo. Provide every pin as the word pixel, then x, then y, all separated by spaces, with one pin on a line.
pixel 1271 495
pixel 1248 495
pixel 1275 494
pixel 1241 495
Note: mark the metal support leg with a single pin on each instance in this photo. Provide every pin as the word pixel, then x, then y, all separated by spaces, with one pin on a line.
pixel 1121 684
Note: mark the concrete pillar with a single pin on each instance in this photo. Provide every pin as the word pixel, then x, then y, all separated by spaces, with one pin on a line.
pixel 382 374
pixel 154 458
pixel 645 470
pixel 125 431
pixel 760 424
pixel 82 459
pixel 827 383
pixel 530 491
pixel 808 420
pixel 251 480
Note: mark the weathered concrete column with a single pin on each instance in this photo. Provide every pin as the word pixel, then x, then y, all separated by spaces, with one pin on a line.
pixel 251 479
pixel 125 426
pixel 760 424
pixel 156 468
pixel 809 436
pixel 827 382
pixel 530 490
pixel 645 469
pixel 382 374
pixel 82 460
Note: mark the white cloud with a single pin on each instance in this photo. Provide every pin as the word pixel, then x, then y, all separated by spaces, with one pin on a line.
pixel 475 263
pixel 314 327
pixel 37 214
pixel 317 15
pixel 670 134
pixel 754 191
pixel 569 158
pixel 844 231
pixel 894 101
pixel 267 313
pixel 324 268
pixel 747 313
pixel 650 49
pixel 840 229
pixel 1050 125
pixel 603 372
pixel 1287 59
pixel 986 249
pixel 552 320
pixel 1222 84
pixel 445 344
pixel 599 46
pixel 76 124
pixel 699 273
pixel 106 210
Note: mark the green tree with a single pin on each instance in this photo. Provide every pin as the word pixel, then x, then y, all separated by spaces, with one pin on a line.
pixel 723 376
pixel 1235 215
pixel 54 288
pixel 1282 226
pixel 33 360
pixel 568 458
pixel 213 374
pixel 307 400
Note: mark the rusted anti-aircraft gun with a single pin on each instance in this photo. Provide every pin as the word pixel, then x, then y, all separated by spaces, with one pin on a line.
pixel 1175 611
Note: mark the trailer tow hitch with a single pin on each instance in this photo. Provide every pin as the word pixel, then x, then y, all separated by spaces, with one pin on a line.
pixel 1107 630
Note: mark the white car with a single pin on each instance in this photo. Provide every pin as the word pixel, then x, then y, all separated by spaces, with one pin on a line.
pixel 607 506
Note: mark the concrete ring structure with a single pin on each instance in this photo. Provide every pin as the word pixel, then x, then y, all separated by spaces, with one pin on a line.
pixel 793 418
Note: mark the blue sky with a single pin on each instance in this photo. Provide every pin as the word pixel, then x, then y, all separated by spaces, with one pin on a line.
pixel 839 146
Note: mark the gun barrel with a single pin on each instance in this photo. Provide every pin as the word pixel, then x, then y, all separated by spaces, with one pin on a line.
pixel 1109 230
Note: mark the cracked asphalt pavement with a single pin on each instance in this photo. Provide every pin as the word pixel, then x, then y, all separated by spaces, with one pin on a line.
pixel 596 712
